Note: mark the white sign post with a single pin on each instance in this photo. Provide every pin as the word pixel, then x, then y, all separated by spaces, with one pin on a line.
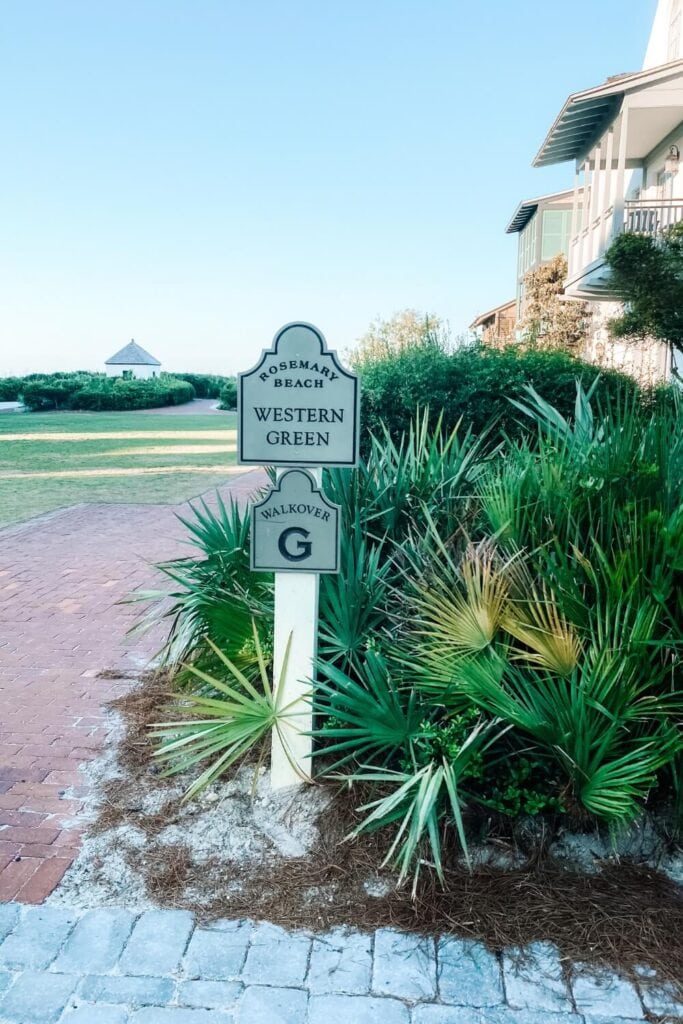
pixel 296 625
pixel 297 407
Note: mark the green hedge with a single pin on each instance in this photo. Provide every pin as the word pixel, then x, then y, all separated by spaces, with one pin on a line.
pixel 206 385
pixel 474 384
pixel 9 389
pixel 98 392
pixel 229 394
pixel 133 394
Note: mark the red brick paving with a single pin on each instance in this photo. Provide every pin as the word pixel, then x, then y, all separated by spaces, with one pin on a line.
pixel 61 577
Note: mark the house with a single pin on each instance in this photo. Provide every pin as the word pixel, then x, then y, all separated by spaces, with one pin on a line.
pixel 625 138
pixel 497 327
pixel 544 229
pixel 132 361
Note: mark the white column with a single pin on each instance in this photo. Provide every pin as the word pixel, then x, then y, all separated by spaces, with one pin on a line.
pixel 607 189
pixel 585 215
pixel 296 626
pixel 593 234
pixel 620 182
pixel 573 241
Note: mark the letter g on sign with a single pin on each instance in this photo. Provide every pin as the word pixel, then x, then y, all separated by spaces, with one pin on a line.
pixel 303 547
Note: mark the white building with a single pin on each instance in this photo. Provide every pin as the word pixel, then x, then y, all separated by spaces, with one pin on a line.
pixel 625 139
pixel 132 361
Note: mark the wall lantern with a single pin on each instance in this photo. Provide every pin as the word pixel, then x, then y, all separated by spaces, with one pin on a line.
pixel 672 161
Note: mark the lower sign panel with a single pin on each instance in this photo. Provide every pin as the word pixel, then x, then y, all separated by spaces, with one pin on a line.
pixel 295 528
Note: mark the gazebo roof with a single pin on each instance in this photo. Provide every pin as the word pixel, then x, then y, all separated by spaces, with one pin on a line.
pixel 133 355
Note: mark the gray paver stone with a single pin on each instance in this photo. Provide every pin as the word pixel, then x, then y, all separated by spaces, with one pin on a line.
pixel 210 995
pixel 176 1015
pixel 533 978
pixel 590 1018
pixel 157 943
pixel 661 1000
pixel 602 994
pixel 432 1014
pixel 217 955
pixel 37 938
pixel 114 988
pixel 37 997
pixel 469 975
pixel 356 1009
pixel 276 957
pixel 9 915
pixel 96 1015
pixel 96 942
pixel 341 962
pixel 263 1005
pixel 404 965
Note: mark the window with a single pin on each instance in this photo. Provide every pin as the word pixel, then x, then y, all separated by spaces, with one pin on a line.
pixel 127 374
pixel 527 247
pixel 674 30
pixel 557 227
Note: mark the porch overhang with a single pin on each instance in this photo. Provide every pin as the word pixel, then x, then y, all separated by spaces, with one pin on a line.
pixel 527 208
pixel 585 116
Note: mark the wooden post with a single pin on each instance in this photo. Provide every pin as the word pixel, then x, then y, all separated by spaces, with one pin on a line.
pixel 296 625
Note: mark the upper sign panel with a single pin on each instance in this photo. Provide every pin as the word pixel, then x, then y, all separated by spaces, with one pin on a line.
pixel 298 406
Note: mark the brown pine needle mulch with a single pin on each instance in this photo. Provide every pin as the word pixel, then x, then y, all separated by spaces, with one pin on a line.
pixel 624 917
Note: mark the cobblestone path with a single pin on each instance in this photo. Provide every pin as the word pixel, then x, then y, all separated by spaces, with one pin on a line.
pixel 61 578
pixel 107 966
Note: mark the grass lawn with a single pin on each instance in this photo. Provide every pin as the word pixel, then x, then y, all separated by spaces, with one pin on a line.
pixel 51 460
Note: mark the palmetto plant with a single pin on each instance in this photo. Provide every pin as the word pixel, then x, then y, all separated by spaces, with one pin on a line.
pixel 495 606
pixel 608 734
pixel 423 799
pixel 374 717
pixel 224 721
pixel 214 595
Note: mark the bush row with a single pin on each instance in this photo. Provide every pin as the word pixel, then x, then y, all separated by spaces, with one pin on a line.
pixel 474 384
pixel 96 391
pixel 84 390
pixel 206 385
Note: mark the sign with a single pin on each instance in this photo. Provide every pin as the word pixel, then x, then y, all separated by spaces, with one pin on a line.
pixel 295 528
pixel 298 406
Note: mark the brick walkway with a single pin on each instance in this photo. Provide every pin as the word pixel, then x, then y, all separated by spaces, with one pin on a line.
pixel 61 577
pixel 111 966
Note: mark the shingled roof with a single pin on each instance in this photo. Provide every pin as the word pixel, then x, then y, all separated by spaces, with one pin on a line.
pixel 132 355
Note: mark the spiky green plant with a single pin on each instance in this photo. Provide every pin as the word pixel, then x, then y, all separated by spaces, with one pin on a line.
pixel 214 595
pixel 220 729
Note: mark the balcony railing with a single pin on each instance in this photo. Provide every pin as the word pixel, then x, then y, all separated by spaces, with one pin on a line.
pixel 652 216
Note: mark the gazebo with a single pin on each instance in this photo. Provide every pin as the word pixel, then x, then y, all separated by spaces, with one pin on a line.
pixel 132 361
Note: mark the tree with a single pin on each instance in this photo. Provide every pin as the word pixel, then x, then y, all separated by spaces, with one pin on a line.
pixel 648 275
pixel 408 329
pixel 551 323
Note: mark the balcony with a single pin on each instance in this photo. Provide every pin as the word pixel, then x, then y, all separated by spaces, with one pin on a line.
pixel 652 217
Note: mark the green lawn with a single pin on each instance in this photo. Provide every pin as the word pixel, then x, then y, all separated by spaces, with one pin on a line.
pixel 39 472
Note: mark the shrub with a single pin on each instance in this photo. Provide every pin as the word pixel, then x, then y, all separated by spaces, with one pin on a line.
pixel 118 394
pixel 503 637
pixel 56 390
pixel 206 385
pixel 10 388
pixel 473 384
pixel 229 394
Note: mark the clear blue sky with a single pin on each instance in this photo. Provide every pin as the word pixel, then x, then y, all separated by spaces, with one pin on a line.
pixel 194 174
